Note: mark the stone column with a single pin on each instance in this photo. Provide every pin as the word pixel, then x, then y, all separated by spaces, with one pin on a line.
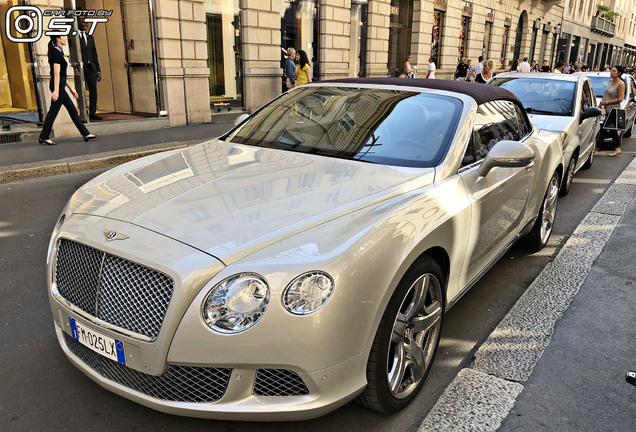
pixel 378 38
pixel 262 72
pixel 181 43
pixel 335 30
pixel 422 31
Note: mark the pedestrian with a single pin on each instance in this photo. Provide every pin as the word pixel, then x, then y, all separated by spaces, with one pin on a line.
pixel 290 69
pixel 533 66
pixel 560 66
pixel 430 70
pixel 612 98
pixel 545 67
pixel 92 71
pixel 471 71
pixel 409 71
pixel 59 96
pixel 479 67
pixel 303 70
pixel 567 68
pixel 486 74
pixel 524 66
pixel 595 69
pixel 461 72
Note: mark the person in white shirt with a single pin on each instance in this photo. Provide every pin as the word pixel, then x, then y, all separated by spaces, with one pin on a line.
pixel 430 70
pixel 524 66
pixel 479 67
pixel 559 67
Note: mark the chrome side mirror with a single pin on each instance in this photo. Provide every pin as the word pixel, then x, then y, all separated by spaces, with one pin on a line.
pixel 507 154
pixel 240 119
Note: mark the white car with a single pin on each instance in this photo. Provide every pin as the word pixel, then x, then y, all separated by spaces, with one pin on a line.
pixel 305 258
pixel 560 103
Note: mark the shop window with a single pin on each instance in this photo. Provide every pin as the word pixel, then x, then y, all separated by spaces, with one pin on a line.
pixel 436 36
pixel 17 89
pixel 358 38
pixel 463 38
pixel 504 45
pixel 486 46
pixel 400 30
pixel 224 54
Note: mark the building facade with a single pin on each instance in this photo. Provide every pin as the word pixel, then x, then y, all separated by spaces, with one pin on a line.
pixel 187 60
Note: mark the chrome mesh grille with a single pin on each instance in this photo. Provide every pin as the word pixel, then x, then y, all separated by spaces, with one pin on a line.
pixel 279 382
pixel 178 383
pixel 113 289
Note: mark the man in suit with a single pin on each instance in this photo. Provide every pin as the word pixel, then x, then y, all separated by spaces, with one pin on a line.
pixel 92 72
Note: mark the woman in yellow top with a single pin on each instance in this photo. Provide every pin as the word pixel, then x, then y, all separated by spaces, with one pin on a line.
pixel 303 70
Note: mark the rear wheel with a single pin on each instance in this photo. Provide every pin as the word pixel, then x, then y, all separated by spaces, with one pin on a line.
pixel 542 228
pixel 406 341
pixel 569 176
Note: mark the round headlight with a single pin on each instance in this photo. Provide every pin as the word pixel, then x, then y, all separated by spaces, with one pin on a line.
pixel 236 304
pixel 308 293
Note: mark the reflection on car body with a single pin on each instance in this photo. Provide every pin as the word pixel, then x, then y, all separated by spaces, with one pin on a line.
pixel 308 256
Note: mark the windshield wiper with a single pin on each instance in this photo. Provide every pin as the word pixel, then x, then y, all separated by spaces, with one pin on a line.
pixel 538 111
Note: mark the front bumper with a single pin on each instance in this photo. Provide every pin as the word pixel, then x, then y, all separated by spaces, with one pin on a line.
pixel 328 389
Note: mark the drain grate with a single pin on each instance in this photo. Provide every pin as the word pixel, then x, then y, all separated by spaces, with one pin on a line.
pixel 9 137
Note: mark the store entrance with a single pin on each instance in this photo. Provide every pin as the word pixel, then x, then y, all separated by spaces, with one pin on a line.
pixel 126 52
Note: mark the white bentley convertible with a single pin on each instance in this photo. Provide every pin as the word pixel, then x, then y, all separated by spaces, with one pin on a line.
pixel 305 258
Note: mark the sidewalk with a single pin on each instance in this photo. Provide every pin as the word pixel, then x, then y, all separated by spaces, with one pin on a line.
pixel 24 160
pixel 557 361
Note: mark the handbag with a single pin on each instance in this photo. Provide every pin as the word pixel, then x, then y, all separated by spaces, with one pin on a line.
pixel 615 120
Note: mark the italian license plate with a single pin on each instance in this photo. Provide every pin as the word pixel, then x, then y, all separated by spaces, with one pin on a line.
pixel 108 347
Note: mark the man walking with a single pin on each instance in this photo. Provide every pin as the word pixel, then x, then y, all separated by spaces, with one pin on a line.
pixel 92 72
pixel 545 67
pixel 290 69
pixel 479 67
pixel 559 67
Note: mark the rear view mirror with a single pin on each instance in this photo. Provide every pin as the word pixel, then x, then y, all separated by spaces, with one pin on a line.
pixel 589 113
pixel 507 154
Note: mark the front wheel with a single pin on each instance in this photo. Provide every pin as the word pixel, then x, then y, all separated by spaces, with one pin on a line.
pixel 542 228
pixel 406 341
pixel 569 176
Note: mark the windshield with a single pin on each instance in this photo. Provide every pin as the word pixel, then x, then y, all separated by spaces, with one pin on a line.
pixel 599 84
pixel 541 95
pixel 389 127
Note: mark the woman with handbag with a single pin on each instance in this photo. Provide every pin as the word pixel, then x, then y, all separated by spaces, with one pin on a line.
pixel 612 98
pixel 303 70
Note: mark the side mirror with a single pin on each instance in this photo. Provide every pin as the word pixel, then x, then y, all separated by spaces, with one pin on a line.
pixel 589 113
pixel 507 154
pixel 240 119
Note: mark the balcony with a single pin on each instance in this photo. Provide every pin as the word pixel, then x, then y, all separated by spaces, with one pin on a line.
pixel 603 26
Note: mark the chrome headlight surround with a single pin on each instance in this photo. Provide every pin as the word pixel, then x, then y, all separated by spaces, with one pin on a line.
pixel 236 304
pixel 308 292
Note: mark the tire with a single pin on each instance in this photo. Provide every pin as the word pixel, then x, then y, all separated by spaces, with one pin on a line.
pixel 568 177
pixel 538 237
pixel 590 160
pixel 406 341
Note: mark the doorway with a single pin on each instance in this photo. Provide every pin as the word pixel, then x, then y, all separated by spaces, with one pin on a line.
pixel 127 58
pixel 400 30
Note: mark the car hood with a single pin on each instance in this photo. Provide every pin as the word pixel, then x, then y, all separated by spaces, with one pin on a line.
pixel 231 200
pixel 551 123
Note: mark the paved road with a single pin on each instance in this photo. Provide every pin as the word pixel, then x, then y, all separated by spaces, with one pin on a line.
pixel 42 391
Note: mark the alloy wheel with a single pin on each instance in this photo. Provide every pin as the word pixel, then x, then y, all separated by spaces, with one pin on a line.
pixel 414 336
pixel 549 209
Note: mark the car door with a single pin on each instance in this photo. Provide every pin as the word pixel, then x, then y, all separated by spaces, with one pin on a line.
pixel 498 200
pixel 587 129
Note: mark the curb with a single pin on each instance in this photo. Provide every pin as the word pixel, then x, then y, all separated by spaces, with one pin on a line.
pixel 482 395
